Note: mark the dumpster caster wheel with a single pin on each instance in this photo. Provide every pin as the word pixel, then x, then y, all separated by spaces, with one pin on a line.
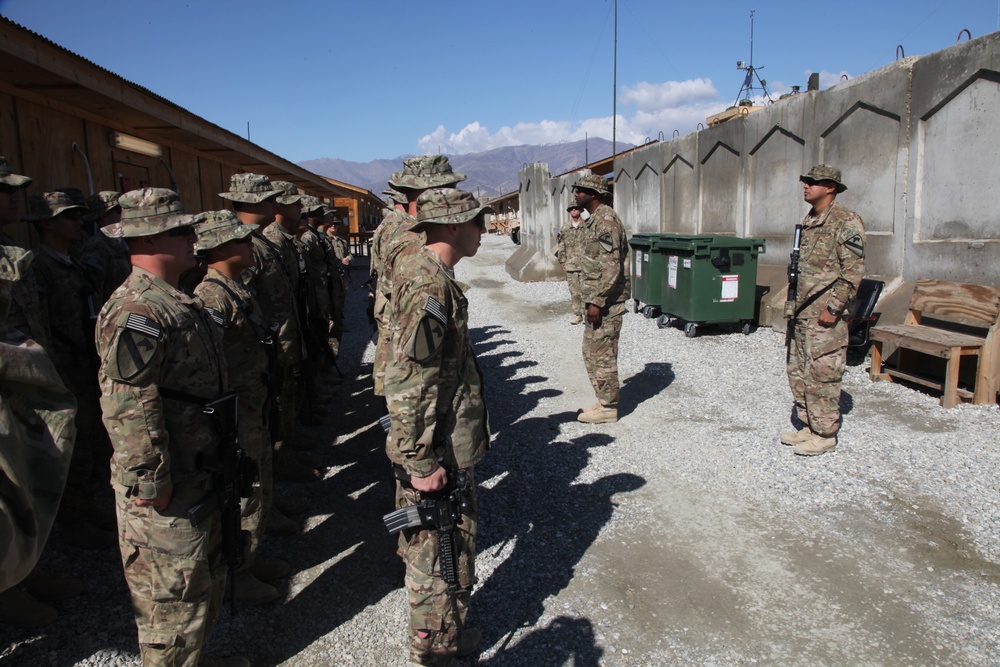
pixel 635 308
pixel 649 312
pixel 690 329
pixel 746 328
pixel 663 322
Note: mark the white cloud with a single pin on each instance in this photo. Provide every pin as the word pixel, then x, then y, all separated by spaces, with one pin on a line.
pixel 658 107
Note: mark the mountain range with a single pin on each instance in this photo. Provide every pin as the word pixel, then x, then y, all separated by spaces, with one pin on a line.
pixel 490 173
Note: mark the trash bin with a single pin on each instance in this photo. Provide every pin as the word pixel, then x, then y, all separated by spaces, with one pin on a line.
pixel 647 272
pixel 708 280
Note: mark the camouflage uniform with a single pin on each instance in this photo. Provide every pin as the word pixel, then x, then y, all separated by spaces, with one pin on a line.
pixel 246 338
pixel 604 272
pixel 569 252
pixel 160 358
pixel 339 285
pixel 36 436
pixel 105 259
pixel 434 391
pixel 831 265
pixel 393 240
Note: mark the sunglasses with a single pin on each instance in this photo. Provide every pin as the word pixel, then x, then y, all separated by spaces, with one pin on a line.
pixel 186 231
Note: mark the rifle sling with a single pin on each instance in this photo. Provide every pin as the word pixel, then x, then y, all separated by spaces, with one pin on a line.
pixel 811 300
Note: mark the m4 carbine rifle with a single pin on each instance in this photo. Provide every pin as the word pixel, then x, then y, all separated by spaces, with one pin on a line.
pixel 793 292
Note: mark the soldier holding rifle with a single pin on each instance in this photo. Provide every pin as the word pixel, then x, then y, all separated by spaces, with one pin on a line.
pixel 831 263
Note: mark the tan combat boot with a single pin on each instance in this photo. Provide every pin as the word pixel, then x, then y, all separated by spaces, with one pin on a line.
pixel 468 642
pixel 578 319
pixel 816 445
pixel 791 438
pixel 252 591
pixel 289 505
pixel 280 525
pixel 590 408
pixel 269 569
pixel 602 415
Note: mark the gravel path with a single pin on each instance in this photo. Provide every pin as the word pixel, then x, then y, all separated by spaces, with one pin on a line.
pixel 684 534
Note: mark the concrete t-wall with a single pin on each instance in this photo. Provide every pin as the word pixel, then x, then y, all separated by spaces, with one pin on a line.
pixel 916 141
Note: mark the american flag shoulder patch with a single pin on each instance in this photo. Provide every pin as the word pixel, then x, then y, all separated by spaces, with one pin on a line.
pixel 434 308
pixel 215 315
pixel 144 325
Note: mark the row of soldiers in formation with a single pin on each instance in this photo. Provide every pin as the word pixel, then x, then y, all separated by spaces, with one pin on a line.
pixel 297 273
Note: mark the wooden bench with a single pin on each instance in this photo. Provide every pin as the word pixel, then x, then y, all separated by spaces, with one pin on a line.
pixel 945 320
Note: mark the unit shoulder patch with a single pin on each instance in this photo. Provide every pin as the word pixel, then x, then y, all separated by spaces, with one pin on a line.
pixel 607 241
pixel 428 334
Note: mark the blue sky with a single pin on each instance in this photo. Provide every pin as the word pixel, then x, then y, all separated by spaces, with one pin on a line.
pixel 381 78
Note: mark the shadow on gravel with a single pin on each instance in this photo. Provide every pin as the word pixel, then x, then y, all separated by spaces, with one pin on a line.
pixel 564 641
pixel 644 385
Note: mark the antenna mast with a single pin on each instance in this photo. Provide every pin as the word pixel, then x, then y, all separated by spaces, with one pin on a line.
pixel 746 91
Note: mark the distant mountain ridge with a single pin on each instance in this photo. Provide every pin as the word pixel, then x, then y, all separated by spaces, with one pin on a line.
pixel 489 173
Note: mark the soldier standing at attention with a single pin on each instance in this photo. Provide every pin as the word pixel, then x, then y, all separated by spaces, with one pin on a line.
pixel 394 239
pixel 831 265
pixel 246 338
pixel 568 251
pixel 605 286
pixel 438 431
pixel 105 258
pixel 161 359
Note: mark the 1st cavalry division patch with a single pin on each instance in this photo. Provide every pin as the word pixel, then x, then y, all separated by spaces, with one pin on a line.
pixel 429 333
pixel 136 344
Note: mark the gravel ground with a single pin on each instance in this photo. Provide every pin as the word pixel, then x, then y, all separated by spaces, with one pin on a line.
pixel 683 534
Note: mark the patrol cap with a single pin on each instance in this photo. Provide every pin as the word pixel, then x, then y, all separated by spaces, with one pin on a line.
pixel 824 172
pixel 396 196
pixel 310 205
pixel 50 204
pixel 447 206
pixel 101 203
pixel 220 227
pixel 150 211
pixel 8 177
pixel 593 182
pixel 574 205
pixel 289 193
pixel 250 188
pixel 425 171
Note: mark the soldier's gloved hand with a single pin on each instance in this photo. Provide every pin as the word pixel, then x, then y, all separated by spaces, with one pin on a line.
pixel 789 310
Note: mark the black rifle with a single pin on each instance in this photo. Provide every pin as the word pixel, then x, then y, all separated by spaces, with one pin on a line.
pixel 441 511
pixel 233 476
pixel 793 292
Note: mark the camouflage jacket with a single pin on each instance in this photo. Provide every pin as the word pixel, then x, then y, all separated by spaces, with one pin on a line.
pixel 245 334
pixel 160 355
pixel 26 313
pixel 285 243
pixel 396 244
pixel 106 262
pixel 66 295
pixel 269 284
pixel 570 245
pixel 604 264
pixel 317 270
pixel 391 219
pixel 433 385
pixel 831 260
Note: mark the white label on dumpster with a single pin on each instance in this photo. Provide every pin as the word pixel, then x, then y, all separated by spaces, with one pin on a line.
pixel 638 264
pixel 730 288
pixel 672 272
pixel 687 263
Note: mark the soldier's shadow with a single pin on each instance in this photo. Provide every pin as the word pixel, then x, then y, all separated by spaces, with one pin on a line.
pixel 647 383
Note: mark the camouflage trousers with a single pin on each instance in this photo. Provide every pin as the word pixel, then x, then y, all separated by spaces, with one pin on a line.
pixel 434 612
pixel 382 342
pixel 574 279
pixel 600 354
pixel 175 575
pixel 92 450
pixel 256 443
pixel 815 368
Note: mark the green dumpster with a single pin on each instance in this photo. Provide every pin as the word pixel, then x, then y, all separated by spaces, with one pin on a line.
pixel 708 280
pixel 648 264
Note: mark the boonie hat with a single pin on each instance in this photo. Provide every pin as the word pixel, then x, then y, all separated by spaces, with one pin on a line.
pixel 824 172
pixel 598 184
pixel 250 188
pixel 310 205
pixel 150 211
pixel 425 171
pixel 101 203
pixel 8 176
pixel 220 227
pixel 48 205
pixel 396 196
pixel 289 193
pixel 448 206
pixel 75 195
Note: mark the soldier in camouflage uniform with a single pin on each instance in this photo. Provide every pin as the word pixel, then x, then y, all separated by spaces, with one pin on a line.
pixel 246 336
pixel 831 265
pixel 606 285
pixel 71 305
pixel 36 444
pixel 439 431
pixel 161 361
pixel 340 248
pixel 315 284
pixel 25 311
pixel 569 250
pixel 104 258
pixel 394 239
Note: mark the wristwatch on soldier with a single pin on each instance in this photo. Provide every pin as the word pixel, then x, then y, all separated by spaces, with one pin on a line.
pixel 833 312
